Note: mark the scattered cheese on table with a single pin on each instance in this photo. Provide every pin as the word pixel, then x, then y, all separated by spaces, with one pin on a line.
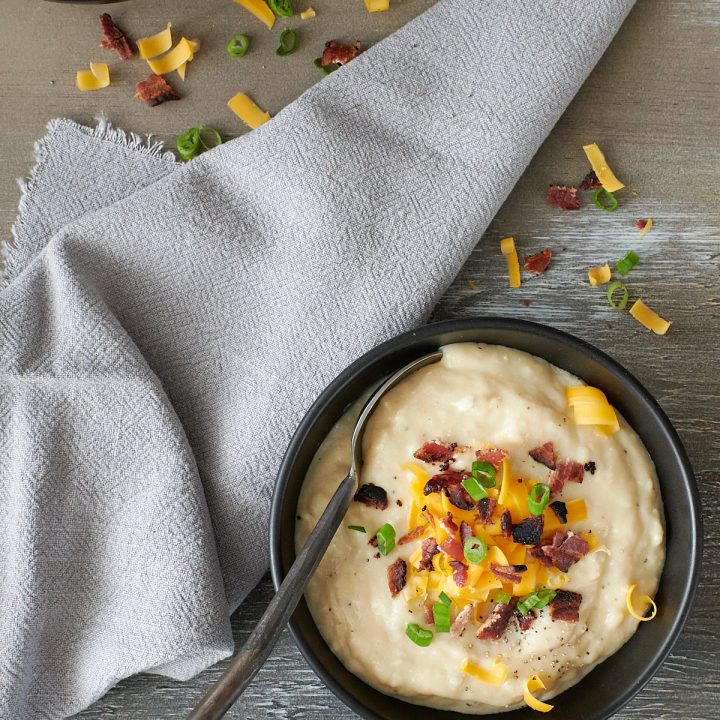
pixel 377 5
pixel 97 77
pixel 248 111
pixel 174 59
pixel 599 275
pixel 650 319
pixel 307 14
pixel 604 174
pixel 154 45
pixel 507 246
pixel 260 9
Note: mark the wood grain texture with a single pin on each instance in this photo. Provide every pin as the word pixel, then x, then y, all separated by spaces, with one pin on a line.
pixel 652 104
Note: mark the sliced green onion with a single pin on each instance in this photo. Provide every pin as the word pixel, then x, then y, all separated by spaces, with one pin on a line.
pixel 539 497
pixel 327 69
pixel 627 263
pixel 288 38
pixel 444 599
pixel 238 45
pixel 420 636
pixel 605 200
pixel 622 303
pixel 358 528
pixel 535 600
pixel 283 8
pixel 385 538
pixel 545 596
pixel 475 550
pixel 474 489
pixel 188 144
pixel 441 615
pixel 501 597
pixel 214 134
pixel 484 473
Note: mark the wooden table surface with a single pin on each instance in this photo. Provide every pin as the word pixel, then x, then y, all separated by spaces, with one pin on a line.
pixel 653 103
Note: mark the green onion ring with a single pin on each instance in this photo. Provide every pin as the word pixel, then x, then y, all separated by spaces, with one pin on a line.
pixel 539 497
pixel 484 473
pixel 475 550
pixel 622 304
pixel 474 489
pixel 216 136
pixel 283 8
pixel 441 615
pixel 238 45
pixel 385 538
pixel 420 636
pixel 608 202
pixel 625 264
pixel 288 39
pixel 188 144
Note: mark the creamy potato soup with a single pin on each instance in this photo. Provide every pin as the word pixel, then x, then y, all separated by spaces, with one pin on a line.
pixel 504 513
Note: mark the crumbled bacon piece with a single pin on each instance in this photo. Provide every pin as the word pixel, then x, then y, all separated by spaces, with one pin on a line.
pixel 536 553
pixel 449 524
pixel 566 606
pixel 428 515
pixel 538 263
pixel 462 621
pixel 373 541
pixel 460 572
pixel 429 615
pixel 494 456
pixel 414 534
pixel 566 471
pixel 564 551
pixel 563 196
pixel 115 38
pixel 442 481
pixel 486 508
pixel 529 531
pixel 155 90
pixel 545 455
pixel 495 623
pixel 508 573
pixel 335 53
pixel 641 224
pixel 560 510
pixel 429 548
pixel 466 532
pixel 525 621
pixel 506 524
pixel 397 576
pixel 432 452
pixel 453 547
pixel 460 497
pixel 590 182
pixel 372 495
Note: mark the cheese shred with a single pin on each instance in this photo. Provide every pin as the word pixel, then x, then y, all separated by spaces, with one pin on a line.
pixel 604 174
pixel 507 247
pixel 535 683
pixel 377 5
pixel 599 275
pixel 173 60
pixel 591 407
pixel 96 78
pixel 645 600
pixel 647 227
pixel 307 14
pixel 154 45
pixel 496 675
pixel 260 9
pixel 650 319
pixel 248 111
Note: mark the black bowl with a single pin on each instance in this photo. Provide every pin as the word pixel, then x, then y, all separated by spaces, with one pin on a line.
pixel 617 680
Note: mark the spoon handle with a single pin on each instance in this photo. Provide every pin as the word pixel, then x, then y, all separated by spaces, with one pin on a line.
pixel 245 665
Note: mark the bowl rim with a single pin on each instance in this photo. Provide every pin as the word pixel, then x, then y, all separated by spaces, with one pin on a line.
pixel 427 333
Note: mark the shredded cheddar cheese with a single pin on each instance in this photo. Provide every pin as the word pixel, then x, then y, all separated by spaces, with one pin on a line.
pixel 496 675
pixel 194 46
pixel 172 60
pixel 260 9
pixel 645 599
pixel 96 78
pixel 649 318
pixel 599 275
pixel 248 111
pixel 535 683
pixel 604 174
pixel 154 45
pixel 647 228
pixel 307 14
pixel 507 247
pixel 576 510
pixel 377 5
pixel 591 407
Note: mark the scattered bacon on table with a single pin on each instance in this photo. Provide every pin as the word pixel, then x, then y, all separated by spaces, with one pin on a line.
pixel 115 38
pixel 590 182
pixel 537 264
pixel 372 495
pixel 564 197
pixel 337 54
pixel 155 90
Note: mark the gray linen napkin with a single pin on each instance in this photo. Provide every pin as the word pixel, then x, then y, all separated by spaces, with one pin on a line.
pixel 163 328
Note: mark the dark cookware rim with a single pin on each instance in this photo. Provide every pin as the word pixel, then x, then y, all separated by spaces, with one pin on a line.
pixel 426 333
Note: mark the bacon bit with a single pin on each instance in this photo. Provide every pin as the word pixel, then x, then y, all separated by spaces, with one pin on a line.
pixel 115 38
pixel 429 615
pixel 506 524
pixel 155 90
pixel 563 196
pixel 473 285
pixel 494 456
pixel 640 224
pixel 566 471
pixel 373 541
pixel 591 182
pixel 460 572
pixel 460 498
pixel 529 531
pixel 537 264
pixel 525 621
pixel 466 532
pixel 453 547
pixel 462 621
pixel 429 548
pixel 566 606
pixel 397 576
pixel 545 455
pixel 486 508
pixel 449 524
pixel 566 549
pixel 508 573
pixel 432 452
pixel 442 481
pixel 334 52
pixel 536 553
pixel 590 467
pixel 414 534
pixel 372 495
pixel 526 302
pixel 560 510
pixel 428 516
pixel 495 624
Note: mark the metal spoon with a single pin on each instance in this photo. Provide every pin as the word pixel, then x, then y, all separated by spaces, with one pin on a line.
pixel 245 665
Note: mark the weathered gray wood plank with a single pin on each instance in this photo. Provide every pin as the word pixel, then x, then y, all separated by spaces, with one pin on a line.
pixel 652 104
